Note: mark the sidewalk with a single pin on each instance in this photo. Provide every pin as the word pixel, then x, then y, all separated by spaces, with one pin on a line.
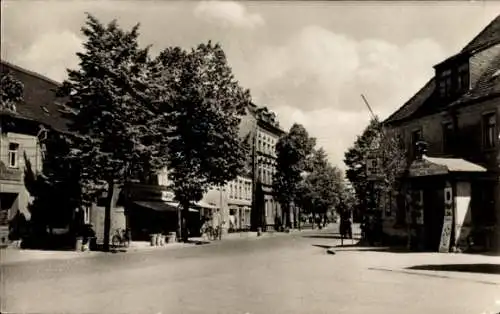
pixel 460 266
pixel 16 255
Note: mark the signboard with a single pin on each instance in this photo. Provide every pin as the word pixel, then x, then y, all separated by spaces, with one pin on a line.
pixel 444 244
pixel 373 166
pixel 167 196
pixel 422 168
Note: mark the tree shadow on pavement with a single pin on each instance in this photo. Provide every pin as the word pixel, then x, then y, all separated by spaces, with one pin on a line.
pixel 468 268
pixel 323 246
pixel 322 236
pixel 360 246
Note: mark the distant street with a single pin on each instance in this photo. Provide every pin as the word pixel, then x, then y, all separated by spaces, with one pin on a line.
pixel 278 274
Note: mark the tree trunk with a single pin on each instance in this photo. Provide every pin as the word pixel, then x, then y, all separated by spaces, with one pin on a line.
pixel 107 216
pixel 286 215
pixel 299 219
pixel 184 219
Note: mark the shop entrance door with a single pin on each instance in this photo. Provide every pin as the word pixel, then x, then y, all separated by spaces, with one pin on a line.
pixel 433 216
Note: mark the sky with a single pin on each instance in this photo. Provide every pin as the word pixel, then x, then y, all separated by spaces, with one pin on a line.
pixel 307 61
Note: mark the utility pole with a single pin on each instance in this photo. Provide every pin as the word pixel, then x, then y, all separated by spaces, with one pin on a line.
pixel 369 107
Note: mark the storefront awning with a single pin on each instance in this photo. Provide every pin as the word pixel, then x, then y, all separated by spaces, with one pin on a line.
pixel 203 204
pixel 162 206
pixel 429 166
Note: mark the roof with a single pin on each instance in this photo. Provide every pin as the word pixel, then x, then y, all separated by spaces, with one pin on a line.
pixel 432 166
pixel 455 164
pixel 40 102
pixel 426 100
pixel 487 85
pixel 489 36
pixel 162 206
pixel 414 103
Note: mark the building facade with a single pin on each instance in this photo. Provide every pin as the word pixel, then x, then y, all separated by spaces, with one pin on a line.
pixel 451 194
pixel 249 200
pixel 21 145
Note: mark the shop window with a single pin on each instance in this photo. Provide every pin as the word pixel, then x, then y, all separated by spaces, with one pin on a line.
pixel 13 155
pixel 489 130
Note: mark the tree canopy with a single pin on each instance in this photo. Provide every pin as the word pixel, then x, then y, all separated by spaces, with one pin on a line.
pixel 322 188
pixel 293 151
pixel 117 105
pixel 11 91
pixel 204 113
pixel 387 148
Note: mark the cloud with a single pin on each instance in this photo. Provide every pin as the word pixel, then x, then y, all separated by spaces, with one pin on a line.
pixel 304 71
pixel 228 14
pixel 334 129
pixel 316 78
pixel 43 58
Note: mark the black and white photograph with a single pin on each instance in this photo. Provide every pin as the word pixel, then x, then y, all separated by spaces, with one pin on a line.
pixel 249 157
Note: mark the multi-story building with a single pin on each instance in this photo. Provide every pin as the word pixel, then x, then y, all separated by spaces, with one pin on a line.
pixel 21 135
pixel 455 193
pixel 239 198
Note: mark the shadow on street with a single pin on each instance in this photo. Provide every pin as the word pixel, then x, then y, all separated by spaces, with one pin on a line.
pixel 468 268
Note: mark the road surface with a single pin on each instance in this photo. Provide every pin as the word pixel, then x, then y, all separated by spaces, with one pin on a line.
pixel 278 274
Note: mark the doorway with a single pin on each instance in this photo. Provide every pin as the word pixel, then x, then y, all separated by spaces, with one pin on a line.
pixel 433 216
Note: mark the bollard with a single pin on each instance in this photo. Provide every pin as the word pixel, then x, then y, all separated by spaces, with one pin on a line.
pixel 79 244
pixel 171 237
pixel 259 231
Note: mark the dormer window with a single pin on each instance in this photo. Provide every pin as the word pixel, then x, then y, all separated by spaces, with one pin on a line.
pixel 453 80
pixel 445 83
pixel 463 78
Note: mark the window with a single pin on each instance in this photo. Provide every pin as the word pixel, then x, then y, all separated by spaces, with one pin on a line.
pixel 13 155
pixel 448 134
pixel 445 83
pixel 463 78
pixel 489 130
pixel 416 136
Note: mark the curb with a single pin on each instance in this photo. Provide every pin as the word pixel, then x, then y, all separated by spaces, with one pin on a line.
pixel 433 274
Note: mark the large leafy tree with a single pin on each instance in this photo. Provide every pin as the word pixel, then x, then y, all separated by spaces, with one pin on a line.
pixel 206 105
pixel 11 91
pixel 293 150
pixel 385 146
pixel 116 101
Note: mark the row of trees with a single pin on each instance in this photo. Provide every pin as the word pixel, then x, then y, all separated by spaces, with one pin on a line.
pixel 306 178
pixel 133 114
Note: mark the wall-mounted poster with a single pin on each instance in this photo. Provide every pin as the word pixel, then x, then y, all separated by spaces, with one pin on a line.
pixel 444 244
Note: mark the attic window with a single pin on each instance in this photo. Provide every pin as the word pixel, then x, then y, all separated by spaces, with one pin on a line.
pixel 45 109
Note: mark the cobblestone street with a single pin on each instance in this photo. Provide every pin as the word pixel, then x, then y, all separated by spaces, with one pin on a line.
pixel 276 274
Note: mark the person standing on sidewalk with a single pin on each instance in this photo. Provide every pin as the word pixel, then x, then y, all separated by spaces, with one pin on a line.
pixel 217 223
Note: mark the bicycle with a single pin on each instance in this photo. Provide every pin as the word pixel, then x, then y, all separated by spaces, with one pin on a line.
pixel 121 238
pixel 212 233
